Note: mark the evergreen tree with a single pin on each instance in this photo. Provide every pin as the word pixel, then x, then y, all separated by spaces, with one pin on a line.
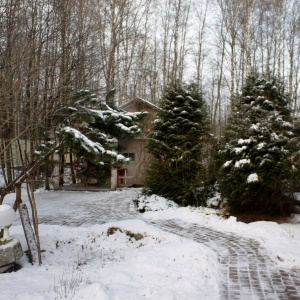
pixel 176 143
pixel 258 161
pixel 91 129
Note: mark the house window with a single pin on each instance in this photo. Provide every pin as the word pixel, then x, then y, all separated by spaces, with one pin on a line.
pixel 129 155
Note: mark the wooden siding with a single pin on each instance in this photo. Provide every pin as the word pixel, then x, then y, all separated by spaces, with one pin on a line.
pixel 136 169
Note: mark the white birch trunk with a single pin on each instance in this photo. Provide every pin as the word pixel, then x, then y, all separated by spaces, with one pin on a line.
pixel 55 173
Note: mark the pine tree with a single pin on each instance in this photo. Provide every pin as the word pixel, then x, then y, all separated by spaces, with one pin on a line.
pixel 176 143
pixel 258 161
pixel 91 129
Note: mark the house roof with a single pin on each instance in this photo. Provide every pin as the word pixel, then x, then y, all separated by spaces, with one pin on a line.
pixel 139 101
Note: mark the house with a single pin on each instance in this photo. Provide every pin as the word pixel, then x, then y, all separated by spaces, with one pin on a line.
pixel 134 172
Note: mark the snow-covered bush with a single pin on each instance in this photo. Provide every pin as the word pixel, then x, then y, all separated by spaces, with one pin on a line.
pixel 153 203
pixel 209 195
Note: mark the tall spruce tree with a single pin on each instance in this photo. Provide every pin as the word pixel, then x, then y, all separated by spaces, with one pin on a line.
pixel 91 129
pixel 259 164
pixel 176 144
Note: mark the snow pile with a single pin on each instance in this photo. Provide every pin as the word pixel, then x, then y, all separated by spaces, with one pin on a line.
pixel 281 240
pixel 120 260
pixel 5 208
pixel 153 203
pixel 7 215
pixel 131 259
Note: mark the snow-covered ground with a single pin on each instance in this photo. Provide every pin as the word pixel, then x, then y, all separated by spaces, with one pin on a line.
pixel 98 247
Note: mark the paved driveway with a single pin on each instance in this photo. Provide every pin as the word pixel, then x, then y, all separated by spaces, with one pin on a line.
pixel 248 272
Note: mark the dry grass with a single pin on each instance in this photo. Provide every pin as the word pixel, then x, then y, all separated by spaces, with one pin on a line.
pixel 136 236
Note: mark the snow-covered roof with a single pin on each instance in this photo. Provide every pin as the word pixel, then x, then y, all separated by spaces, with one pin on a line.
pixel 139 100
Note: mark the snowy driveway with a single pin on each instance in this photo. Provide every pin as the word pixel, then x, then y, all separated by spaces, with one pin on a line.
pixel 101 207
pixel 248 272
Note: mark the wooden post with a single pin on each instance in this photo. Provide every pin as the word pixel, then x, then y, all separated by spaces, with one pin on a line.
pixel 28 231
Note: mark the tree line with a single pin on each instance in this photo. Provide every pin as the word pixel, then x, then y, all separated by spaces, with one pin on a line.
pixel 255 165
pixel 52 48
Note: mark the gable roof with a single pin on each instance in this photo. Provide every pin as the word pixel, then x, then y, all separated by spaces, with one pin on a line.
pixel 139 101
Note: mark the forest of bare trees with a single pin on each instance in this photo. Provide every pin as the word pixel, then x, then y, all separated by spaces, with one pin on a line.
pixel 51 48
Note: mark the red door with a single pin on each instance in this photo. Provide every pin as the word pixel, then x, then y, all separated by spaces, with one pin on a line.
pixel 122 176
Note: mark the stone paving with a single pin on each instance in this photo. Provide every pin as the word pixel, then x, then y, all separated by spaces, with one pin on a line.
pixel 248 272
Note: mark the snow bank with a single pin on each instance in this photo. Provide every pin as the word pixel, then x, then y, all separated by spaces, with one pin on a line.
pixel 153 203
pixel 88 263
pixel 282 241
